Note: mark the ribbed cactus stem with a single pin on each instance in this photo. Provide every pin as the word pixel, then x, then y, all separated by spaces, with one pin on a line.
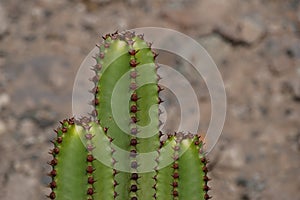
pixel 70 164
pixel 87 161
pixel 127 61
pixel 185 178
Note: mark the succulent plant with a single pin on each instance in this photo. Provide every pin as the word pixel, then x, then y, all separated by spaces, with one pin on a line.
pixel 119 151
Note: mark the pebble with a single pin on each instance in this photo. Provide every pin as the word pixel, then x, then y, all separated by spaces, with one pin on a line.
pixel 203 23
pixel 251 30
pixel 246 30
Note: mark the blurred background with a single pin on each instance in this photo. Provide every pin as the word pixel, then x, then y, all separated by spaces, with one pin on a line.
pixel 256 45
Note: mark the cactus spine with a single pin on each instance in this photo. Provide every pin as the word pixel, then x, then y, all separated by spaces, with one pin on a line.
pixel 125 116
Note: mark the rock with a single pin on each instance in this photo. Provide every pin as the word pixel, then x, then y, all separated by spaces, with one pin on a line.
pixel 244 31
pixel 251 30
pixel 217 48
pixel 4 100
pixel 3 22
pixel 196 15
pixel 25 187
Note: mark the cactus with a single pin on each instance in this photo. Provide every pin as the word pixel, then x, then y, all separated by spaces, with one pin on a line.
pixel 87 162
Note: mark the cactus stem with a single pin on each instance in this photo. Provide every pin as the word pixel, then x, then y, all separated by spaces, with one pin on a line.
pixel 68 142
pixel 80 145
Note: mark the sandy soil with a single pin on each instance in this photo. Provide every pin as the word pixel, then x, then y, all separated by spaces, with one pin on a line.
pixel 256 45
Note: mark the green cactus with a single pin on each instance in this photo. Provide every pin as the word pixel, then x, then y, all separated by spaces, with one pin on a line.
pixel 87 161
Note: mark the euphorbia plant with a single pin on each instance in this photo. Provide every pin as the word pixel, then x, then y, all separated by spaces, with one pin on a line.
pixel 87 162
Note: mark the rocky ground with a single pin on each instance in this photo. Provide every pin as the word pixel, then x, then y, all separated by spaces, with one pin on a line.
pixel 256 45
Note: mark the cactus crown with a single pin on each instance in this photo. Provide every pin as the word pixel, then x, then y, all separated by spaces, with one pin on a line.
pixel 119 152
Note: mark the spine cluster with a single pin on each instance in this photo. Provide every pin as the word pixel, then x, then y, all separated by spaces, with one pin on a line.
pixel 133 116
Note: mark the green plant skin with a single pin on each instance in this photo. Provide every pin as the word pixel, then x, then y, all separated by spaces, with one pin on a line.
pixel 102 150
pixel 79 172
pixel 71 164
pixel 115 65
